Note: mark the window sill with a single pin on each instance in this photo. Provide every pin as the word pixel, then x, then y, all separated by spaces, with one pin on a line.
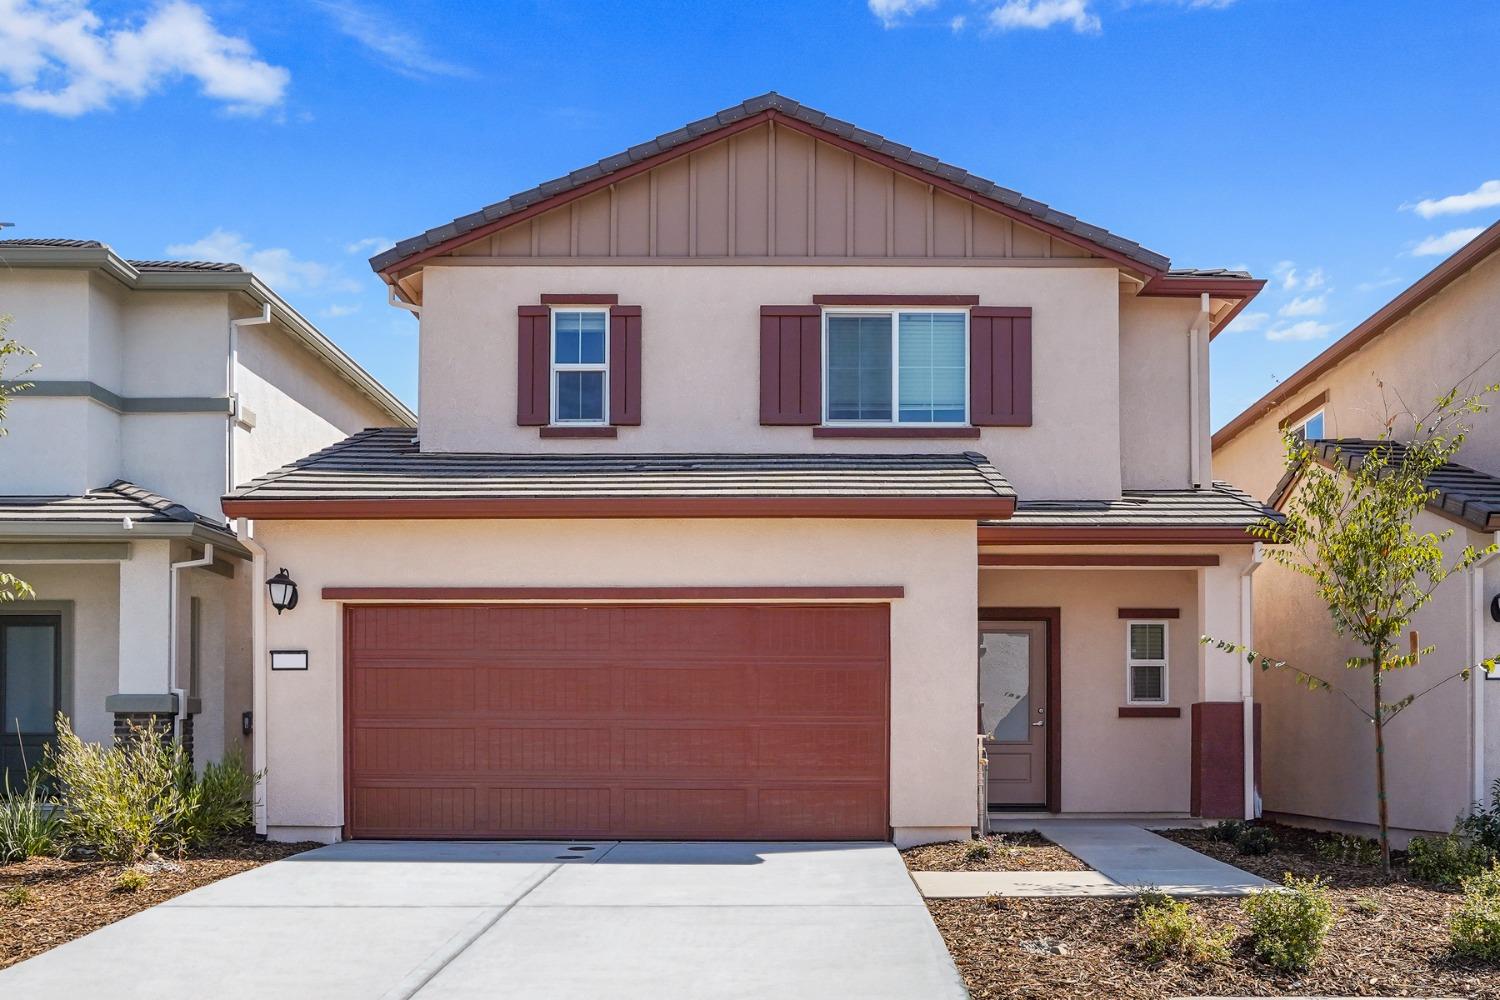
pixel 895 432
pixel 1150 712
pixel 578 432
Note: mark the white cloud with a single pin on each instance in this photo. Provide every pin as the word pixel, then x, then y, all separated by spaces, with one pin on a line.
pixel 1250 322
pixel 1307 329
pixel 1293 279
pixel 893 12
pixel 369 245
pixel 1041 14
pixel 1374 283
pixel 957 24
pixel 1486 195
pixel 335 311
pixel 1442 246
pixel 59 57
pixel 276 266
pixel 394 45
pixel 1305 305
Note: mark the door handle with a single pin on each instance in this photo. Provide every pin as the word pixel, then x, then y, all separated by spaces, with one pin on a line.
pixel 1037 722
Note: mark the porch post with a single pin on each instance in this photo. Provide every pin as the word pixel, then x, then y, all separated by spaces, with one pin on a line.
pixel 141 690
pixel 1224 724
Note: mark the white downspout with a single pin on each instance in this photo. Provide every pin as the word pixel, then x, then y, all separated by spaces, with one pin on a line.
pixel 1247 679
pixel 231 366
pixel 173 688
pixel 1195 423
pixel 1477 652
pixel 391 299
pixel 258 658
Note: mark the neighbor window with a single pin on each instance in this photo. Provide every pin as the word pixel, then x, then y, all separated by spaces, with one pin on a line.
pixel 896 367
pixel 1310 429
pixel 580 371
pixel 1146 662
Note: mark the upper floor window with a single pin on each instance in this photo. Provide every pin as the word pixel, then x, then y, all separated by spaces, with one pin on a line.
pixel 580 366
pixel 1145 662
pixel 1310 429
pixel 896 367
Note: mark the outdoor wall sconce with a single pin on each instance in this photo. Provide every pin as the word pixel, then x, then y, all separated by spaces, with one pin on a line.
pixel 283 591
pixel 1495 608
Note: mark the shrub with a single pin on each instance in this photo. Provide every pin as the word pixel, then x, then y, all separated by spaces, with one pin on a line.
pixel 1348 850
pixel 1227 830
pixel 1474 931
pixel 977 850
pixel 1446 860
pixel 131 880
pixel 219 801
pixel 122 801
pixel 29 822
pixel 1482 825
pixel 1255 840
pixel 16 895
pixel 1167 928
pixel 1288 927
pixel 1368 905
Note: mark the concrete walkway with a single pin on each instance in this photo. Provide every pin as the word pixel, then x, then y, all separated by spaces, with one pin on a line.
pixel 1125 859
pixel 537 920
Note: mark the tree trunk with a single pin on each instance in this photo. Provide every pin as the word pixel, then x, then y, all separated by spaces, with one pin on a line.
pixel 1384 811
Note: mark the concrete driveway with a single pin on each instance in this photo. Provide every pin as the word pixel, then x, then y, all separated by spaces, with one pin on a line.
pixel 572 919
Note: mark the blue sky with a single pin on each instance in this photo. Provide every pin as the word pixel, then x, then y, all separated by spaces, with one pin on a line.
pixel 1337 148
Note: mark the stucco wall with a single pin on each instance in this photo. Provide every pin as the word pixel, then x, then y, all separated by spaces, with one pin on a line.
pixel 1155 413
pixel 933 656
pixel 1110 764
pixel 701 361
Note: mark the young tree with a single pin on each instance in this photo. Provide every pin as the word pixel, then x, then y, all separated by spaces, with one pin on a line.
pixel 1350 527
pixel 11 589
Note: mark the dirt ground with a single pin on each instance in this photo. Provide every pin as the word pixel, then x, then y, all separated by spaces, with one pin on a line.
pixel 1008 852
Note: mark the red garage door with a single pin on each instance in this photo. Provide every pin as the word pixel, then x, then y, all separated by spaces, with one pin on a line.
pixel 618 721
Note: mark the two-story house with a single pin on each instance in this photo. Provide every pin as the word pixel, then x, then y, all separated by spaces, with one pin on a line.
pixel 761 467
pixel 157 384
pixel 1443 753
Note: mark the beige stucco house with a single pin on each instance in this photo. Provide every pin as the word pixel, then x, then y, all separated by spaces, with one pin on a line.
pixel 1443 752
pixel 158 384
pixel 761 467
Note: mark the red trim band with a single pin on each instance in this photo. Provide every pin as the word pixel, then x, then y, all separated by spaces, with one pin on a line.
pixel 895 432
pixel 579 299
pixel 1150 613
pixel 1150 712
pixel 613 593
pixel 1024 534
pixel 896 300
pixel 1092 559
pixel 578 432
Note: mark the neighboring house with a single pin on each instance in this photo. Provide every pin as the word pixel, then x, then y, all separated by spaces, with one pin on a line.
pixel 760 466
pixel 1443 752
pixel 158 384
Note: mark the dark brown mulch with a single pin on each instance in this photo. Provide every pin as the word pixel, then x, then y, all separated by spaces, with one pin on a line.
pixel 1009 852
pixel 68 899
pixel 1389 939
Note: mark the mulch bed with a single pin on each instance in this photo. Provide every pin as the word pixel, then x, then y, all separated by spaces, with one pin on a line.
pixel 1389 939
pixel 68 899
pixel 1009 852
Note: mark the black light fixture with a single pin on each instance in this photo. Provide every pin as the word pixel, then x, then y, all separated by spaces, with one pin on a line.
pixel 283 591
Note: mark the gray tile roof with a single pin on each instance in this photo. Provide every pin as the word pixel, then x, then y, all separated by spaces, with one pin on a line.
pixel 1221 506
pixel 1210 272
pixel 1464 494
pixel 384 463
pixel 801 112
pixel 139 265
pixel 112 503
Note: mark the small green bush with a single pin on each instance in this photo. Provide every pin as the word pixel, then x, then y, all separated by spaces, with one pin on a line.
pixel 1288 927
pixel 30 823
pixel 217 802
pixel 1474 931
pixel 977 850
pixel 1227 831
pixel 1447 859
pixel 1167 928
pixel 131 880
pixel 1368 905
pixel 122 801
pixel 16 895
pixel 1348 850
pixel 1482 825
pixel 1255 840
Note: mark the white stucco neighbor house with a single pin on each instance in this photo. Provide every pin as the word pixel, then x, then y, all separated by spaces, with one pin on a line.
pixel 765 472
pixel 1442 753
pixel 158 385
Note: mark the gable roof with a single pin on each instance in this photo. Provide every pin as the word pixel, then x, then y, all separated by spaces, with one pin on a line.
pixel 103 512
pixel 1430 284
pixel 190 275
pixel 380 472
pixel 747 114
pixel 1465 495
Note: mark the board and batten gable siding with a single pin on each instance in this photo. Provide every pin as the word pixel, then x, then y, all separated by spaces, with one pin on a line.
pixel 770 192
pixel 701 360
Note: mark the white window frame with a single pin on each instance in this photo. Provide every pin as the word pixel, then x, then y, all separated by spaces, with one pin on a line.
pixel 556 368
pixel 895 318
pixel 1300 427
pixel 1131 663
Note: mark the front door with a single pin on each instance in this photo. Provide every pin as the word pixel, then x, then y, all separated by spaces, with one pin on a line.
pixel 1013 711
pixel 30 690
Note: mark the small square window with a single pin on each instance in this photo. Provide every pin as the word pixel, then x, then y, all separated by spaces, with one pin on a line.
pixel 1146 662
pixel 1310 429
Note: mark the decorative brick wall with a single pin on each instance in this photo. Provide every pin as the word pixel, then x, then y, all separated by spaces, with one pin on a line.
pixel 1218 764
pixel 161 724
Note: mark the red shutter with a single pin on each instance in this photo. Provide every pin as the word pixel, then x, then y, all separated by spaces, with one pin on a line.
pixel 791 365
pixel 1000 367
pixel 534 366
pixel 625 365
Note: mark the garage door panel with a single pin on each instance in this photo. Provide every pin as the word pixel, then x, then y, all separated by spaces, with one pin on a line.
pixel 706 721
